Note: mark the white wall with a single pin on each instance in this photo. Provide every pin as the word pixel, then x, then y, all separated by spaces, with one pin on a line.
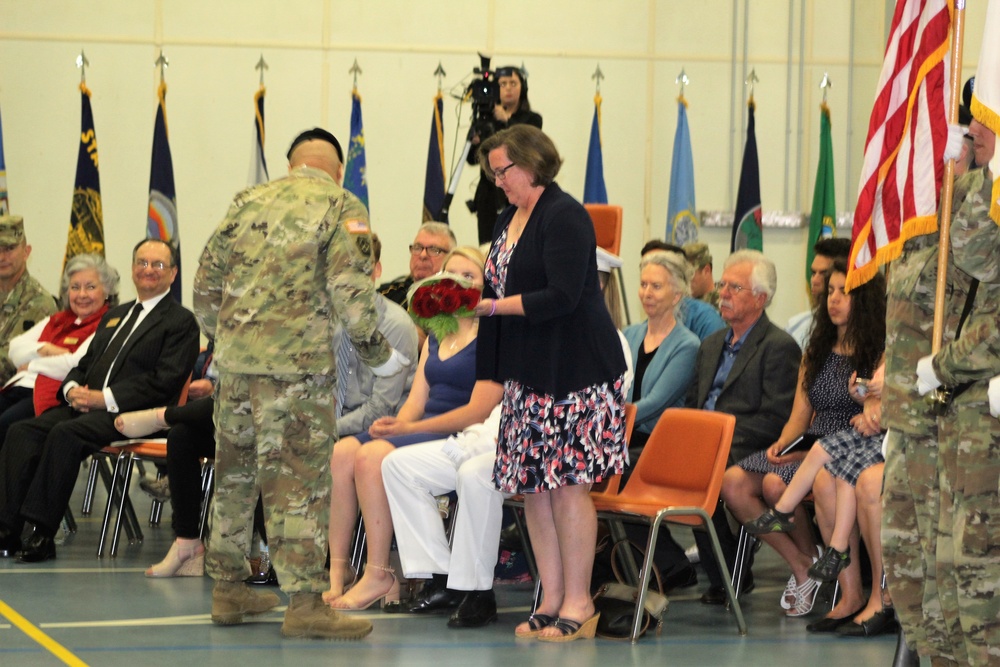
pixel 641 46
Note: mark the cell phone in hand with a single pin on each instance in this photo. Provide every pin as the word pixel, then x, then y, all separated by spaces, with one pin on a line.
pixel 861 386
pixel 800 444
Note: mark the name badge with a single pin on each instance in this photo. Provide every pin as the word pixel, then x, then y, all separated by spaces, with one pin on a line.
pixel 71 340
pixel 112 323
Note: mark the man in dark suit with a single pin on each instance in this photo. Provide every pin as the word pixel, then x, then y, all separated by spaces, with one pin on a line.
pixel 139 358
pixel 748 370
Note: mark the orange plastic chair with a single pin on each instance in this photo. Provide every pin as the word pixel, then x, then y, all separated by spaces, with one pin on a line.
pixel 607 226
pixel 677 479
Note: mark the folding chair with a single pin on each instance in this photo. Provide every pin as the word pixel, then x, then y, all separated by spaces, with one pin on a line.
pixel 607 219
pixel 677 479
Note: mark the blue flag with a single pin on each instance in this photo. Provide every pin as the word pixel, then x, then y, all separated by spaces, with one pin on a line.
pixel 682 214
pixel 86 222
pixel 4 205
pixel 356 172
pixel 258 165
pixel 434 178
pixel 747 229
pixel 161 222
pixel 594 191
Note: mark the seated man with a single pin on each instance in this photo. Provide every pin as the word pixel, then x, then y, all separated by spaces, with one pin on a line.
pixel 362 396
pixel 748 370
pixel 702 282
pixel 140 357
pixel 25 301
pixel 434 240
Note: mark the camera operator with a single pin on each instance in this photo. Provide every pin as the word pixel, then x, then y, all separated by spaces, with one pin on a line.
pixel 513 109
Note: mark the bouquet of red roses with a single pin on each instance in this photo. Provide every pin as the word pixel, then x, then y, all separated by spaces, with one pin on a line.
pixel 436 303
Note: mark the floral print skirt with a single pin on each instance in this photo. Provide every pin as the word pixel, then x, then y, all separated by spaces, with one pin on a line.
pixel 547 442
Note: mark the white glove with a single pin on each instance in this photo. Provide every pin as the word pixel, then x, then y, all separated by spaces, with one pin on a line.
pixel 396 363
pixel 953 147
pixel 994 396
pixel 927 380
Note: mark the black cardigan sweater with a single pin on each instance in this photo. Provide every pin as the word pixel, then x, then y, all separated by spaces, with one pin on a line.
pixel 566 340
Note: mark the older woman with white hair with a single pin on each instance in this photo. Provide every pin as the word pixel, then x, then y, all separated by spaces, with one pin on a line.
pixel 44 354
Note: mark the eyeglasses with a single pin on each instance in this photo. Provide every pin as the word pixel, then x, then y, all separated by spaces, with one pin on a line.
pixel 145 264
pixel 432 250
pixel 735 288
pixel 501 173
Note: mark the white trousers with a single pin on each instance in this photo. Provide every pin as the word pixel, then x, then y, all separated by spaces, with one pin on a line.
pixel 413 476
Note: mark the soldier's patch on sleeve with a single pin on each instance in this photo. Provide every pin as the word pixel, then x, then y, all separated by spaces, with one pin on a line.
pixel 356 226
pixel 364 244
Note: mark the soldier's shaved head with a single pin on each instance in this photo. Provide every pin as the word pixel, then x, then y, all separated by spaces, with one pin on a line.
pixel 319 154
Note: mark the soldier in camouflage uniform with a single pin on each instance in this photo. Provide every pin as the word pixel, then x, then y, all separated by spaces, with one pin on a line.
pixel 291 259
pixel 910 502
pixel 703 282
pixel 968 541
pixel 25 301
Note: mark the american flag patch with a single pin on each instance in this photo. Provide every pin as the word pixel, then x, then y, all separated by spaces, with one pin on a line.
pixel 356 226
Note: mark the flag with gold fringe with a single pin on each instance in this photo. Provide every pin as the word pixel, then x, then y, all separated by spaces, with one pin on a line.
pixel 594 190
pixel 356 171
pixel 161 222
pixel 4 204
pixel 434 178
pixel 258 164
pixel 86 221
pixel 986 94
pixel 682 213
pixel 902 169
pixel 747 230
pixel 823 219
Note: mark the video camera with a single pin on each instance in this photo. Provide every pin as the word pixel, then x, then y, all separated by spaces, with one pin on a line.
pixel 485 94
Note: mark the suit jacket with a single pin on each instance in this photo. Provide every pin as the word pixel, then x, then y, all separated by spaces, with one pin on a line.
pixel 155 361
pixel 760 388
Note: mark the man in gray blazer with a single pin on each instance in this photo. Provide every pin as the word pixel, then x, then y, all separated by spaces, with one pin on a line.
pixel 748 370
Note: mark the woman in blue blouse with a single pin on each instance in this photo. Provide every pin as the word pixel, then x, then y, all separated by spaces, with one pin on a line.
pixel 663 349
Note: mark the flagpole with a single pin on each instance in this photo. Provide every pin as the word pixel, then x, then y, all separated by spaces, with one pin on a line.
pixel 957 37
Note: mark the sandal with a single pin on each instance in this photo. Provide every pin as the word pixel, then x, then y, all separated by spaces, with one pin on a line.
pixel 390 594
pixel 536 622
pixel 771 521
pixel 570 630
pixel 830 565
pixel 803 597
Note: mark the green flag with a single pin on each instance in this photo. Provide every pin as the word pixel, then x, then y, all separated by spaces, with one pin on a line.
pixel 822 221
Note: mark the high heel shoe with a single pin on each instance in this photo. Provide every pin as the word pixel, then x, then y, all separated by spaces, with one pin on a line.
pixel 391 594
pixel 180 562
pixel 570 630
pixel 141 423
pixel 349 578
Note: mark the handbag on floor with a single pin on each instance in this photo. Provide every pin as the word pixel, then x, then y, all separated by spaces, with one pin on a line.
pixel 616 602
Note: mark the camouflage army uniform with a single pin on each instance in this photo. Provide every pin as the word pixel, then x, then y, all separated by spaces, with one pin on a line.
pixel 968 546
pixel 910 494
pixel 23 307
pixel 290 261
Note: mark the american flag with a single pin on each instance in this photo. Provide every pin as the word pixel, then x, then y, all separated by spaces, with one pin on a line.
pixel 903 167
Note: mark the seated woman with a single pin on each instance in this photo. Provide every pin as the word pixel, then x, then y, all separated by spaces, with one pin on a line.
pixel 663 349
pixel 44 354
pixel 445 398
pixel 847 337
pixel 191 438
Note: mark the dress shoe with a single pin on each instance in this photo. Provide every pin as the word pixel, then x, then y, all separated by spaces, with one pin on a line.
pixel 683 578
pixel 831 624
pixel 10 543
pixel 38 548
pixel 476 610
pixel 717 594
pixel 882 622
pixel 435 600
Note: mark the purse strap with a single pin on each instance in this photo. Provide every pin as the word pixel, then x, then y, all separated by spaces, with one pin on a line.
pixel 615 568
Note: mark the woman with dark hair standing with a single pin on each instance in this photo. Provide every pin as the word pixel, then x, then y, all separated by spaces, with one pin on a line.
pixel 547 336
pixel 513 109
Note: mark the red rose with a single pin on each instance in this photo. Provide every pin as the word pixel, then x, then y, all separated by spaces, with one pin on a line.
pixel 470 297
pixel 423 304
pixel 450 301
pixel 448 284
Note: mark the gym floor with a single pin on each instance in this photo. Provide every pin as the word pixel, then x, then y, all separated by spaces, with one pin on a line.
pixel 80 610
